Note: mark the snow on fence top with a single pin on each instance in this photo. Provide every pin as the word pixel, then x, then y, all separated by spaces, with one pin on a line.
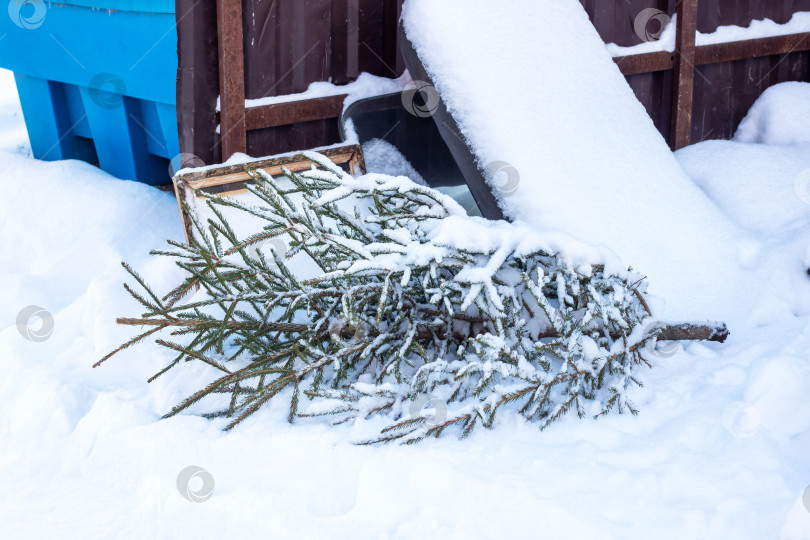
pixel 530 83
pixel 758 29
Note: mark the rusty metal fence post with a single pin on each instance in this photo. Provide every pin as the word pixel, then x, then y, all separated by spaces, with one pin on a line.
pixel 231 78
pixel 684 79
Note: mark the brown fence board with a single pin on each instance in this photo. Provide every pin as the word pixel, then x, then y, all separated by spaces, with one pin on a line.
pixel 636 64
pixel 284 114
pixel 684 78
pixel 754 48
pixel 231 78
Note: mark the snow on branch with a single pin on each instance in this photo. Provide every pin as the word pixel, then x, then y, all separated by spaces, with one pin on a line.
pixel 373 312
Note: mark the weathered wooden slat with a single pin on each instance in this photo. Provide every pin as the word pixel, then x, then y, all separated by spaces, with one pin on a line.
pixel 233 134
pixel 339 155
pixel 231 179
pixel 684 81
pixel 283 114
pixel 752 48
pixel 635 64
pixel 273 170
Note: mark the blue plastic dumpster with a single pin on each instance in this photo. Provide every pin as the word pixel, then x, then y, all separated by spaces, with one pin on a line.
pixel 96 80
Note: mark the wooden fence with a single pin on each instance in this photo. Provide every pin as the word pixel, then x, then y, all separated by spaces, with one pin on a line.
pixel 237 49
pixel 726 78
pixel 253 49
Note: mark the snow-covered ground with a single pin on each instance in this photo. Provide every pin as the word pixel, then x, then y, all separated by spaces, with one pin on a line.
pixel 720 449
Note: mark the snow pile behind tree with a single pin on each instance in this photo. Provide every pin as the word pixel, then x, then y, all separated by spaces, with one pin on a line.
pixel 781 115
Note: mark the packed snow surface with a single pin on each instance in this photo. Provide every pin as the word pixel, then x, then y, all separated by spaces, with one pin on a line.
pixel 383 157
pixel 590 160
pixel 780 116
pixel 720 449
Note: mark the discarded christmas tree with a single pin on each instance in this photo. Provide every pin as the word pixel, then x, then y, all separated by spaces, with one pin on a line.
pixel 371 308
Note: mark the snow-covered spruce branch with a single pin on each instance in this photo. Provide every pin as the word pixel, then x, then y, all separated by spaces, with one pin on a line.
pixel 369 313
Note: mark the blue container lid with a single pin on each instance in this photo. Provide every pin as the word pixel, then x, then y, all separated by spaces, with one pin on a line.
pixel 145 6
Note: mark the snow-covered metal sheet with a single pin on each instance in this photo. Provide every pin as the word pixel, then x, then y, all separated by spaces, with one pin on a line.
pixel 556 133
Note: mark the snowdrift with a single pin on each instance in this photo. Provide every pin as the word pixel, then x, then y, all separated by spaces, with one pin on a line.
pixel 781 115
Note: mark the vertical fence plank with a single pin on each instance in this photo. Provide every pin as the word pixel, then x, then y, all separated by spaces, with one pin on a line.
pixel 683 82
pixel 231 78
